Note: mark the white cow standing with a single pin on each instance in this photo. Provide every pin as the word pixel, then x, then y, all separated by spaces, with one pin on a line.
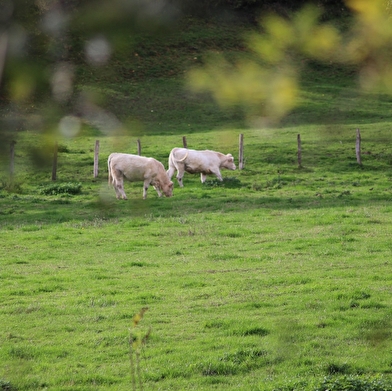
pixel 203 162
pixel 138 168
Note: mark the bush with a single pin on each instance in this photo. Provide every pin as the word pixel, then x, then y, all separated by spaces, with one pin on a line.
pixel 354 383
pixel 11 187
pixel 62 148
pixel 6 386
pixel 230 182
pixel 62 188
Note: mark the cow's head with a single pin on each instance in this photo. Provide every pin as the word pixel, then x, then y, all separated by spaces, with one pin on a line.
pixel 167 189
pixel 229 162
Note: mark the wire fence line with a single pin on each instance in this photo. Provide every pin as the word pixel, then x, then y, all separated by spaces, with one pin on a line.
pixel 241 156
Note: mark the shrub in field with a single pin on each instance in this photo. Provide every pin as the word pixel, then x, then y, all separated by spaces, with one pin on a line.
pixel 231 182
pixel 62 148
pixel 62 188
pixel 354 383
pixel 337 368
pixel 5 385
pixel 11 187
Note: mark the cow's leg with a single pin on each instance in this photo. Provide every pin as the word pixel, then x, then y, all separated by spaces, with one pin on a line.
pixel 146 185
pixel 119 187
pixel 157 187
pixel 158 191
pixel 170 172
pixel 179 179
pixel 218 174
pixel 116 190
pixel 203 177
pixel 118 195
pixel 180 175
pixel 118 184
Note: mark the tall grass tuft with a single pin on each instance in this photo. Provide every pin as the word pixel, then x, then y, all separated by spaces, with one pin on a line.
pixel 137 340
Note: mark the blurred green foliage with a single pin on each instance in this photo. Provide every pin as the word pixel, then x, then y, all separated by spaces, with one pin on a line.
pixel 44 46
pixel 47 47
pixel 268 84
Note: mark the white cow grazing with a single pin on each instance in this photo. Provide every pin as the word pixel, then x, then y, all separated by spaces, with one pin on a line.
pixel 138 168
pixel 203 162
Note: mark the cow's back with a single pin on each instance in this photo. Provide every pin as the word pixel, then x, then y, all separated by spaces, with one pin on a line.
pixel 133 167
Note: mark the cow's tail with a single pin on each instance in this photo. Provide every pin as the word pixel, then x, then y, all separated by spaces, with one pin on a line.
pixel 110 177
pixel 170 161
pixel 171 168
pixel 173 162
pixel 182 159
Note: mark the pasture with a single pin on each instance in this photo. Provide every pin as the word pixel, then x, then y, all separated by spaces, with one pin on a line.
pixel 279 278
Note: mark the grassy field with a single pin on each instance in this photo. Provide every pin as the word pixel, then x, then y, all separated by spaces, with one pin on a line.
pixel 277 279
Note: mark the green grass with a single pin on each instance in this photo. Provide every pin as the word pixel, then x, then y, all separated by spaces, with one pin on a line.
pixel 277 279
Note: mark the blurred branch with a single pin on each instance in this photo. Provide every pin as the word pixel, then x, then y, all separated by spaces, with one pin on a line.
pixel 268 84
pixel 46 49
pixel 3 51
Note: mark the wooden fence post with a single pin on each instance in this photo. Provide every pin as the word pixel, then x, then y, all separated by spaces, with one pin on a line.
pixel 358 147
pixel 54 168
pixel 299 151
pixel 241 153
pixel 139 147
pixel 12 160
pixel 96 158
pixel 184 143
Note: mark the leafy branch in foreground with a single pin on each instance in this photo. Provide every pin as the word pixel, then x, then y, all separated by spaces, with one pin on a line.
pixel 268 85
pixel 136 343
